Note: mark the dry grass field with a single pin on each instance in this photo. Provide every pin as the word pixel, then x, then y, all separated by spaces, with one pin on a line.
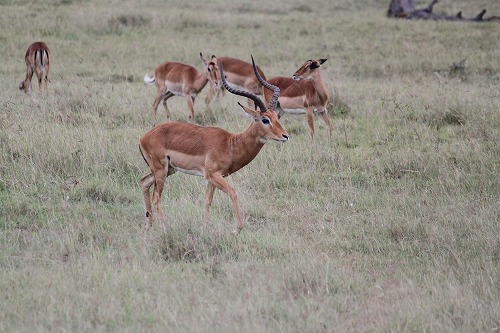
pixel 390 226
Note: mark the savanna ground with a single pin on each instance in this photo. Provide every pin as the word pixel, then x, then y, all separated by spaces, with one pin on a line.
pixel 391 226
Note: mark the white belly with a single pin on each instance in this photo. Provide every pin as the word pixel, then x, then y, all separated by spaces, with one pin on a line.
pixel 294 111
pixel 184 163
pixel 174 87
pixel 189 172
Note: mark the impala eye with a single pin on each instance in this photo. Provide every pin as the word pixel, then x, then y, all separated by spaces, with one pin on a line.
pixel 265 121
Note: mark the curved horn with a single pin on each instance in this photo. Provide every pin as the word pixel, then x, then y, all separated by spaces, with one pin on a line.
pixel 243 93
pixel 276 91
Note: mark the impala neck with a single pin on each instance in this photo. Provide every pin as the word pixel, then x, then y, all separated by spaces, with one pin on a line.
pixel 200 82
pixel 320 88
pixel 246 145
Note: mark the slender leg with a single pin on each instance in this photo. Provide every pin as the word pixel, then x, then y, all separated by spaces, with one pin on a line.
pixel 156 102
pixel 159 181
pixel 46 78
pixel 29 76
pixel 324 115
pixel 31 79
pixel 161 95
pixel 167 95
pixel 310 121
pixel 146 183
pixel 39 77
pixel 190 101
pixel 218 181
pixel 209 195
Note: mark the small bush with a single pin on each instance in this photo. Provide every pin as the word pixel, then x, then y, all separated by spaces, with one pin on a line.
pixel 451 117
pixel 459 70
pixel 303 9
pixel 337 106
pixel 118 24
pixel 131 21
pixel 188 245
pixel 119 78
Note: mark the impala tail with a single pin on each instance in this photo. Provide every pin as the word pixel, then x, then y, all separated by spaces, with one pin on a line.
pixel 149 80
pixel 41 57
pixel 142 154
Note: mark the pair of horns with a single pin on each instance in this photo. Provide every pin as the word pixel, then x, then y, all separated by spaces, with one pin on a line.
pixel 276 91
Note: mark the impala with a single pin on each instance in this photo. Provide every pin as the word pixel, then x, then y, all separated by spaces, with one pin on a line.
pixel 305 93
pixel 209 152
pixel 176 79
pixel 38 62
pixel 239 75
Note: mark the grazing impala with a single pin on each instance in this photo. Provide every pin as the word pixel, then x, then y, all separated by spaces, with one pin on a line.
pixel 38 62
pixel 209 152
pixel 305 93
pixel 173 78
pixel 239 75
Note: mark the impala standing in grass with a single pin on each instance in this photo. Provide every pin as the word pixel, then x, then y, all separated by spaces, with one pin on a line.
pixel 208 152
pixel 177 79
pixel 37 62
pixel 305 92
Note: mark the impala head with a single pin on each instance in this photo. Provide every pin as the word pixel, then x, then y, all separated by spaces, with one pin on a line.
pixel 215 61
pixel 211 70
pixel 308 70
pixel 264 119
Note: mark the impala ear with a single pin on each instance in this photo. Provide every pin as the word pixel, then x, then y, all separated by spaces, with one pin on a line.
pixel 314 65
pixel 321 61
pixel 203 59
pixel 249 111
